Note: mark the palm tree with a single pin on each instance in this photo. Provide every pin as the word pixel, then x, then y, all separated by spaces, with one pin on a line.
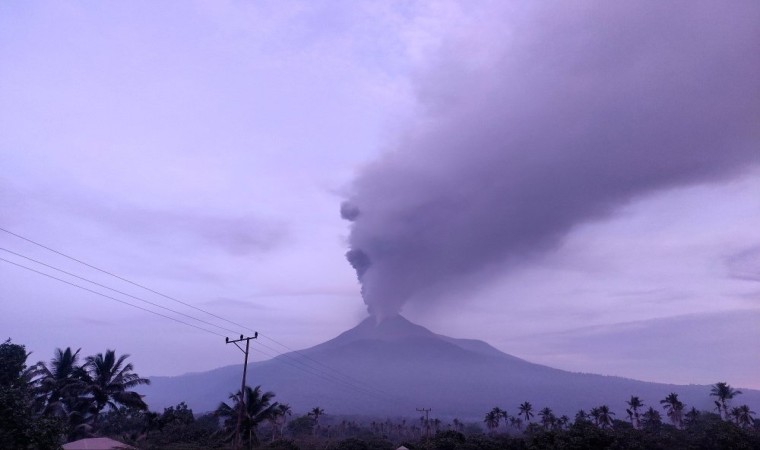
pixel 316 413
pixel 743 416
pixel 691 417
pixel 526 410
pixel 581 416
pixel 724 392
pixel 279 418
pixel 492 420
pixel 499 413
pixel 674 409
pixel 633 413
pixel 436 424
pixel 516 422
pixel 58 384
pixel 595 413
pixel 109 381
pixel 651 418
pixel 547 418
pixel 505 416
pixel 257 408
pixel 605 416
pixel 59 389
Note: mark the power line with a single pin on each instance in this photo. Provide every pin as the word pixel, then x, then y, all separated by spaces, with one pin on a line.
pixel 347 380
pixel 122 278
pixel 325 377
pixel 117 291
pixel 272 355
pixel 370 390
pixel 109 297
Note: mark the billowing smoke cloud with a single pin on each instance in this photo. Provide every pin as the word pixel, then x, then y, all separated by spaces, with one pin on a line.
pixel 568 113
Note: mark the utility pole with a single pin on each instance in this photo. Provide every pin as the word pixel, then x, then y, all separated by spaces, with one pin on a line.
pixel 427 421
pixel 241 405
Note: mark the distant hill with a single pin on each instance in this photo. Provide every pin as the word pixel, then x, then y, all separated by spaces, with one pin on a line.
pixel 394 367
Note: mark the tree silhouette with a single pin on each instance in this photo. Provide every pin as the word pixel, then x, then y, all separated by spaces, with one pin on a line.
pixel 651 419
pixel 492 420
pixel 724 392
pixel 548 419
pixel 634 404
pixel 279 419
pixel 742 416
pixel 109 381
pixel 526 410
pixel 674 409
pixel 257 408
pixel 605 416
pixel 59 383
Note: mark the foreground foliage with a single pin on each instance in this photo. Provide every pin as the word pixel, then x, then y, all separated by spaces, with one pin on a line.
pixel 47 404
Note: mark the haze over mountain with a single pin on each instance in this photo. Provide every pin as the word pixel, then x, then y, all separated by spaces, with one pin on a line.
pixel 394 366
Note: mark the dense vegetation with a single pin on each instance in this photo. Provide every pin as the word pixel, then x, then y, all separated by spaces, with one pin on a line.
pixel 46 404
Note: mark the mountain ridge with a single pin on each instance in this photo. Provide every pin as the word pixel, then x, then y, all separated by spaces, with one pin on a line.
pixel 395 366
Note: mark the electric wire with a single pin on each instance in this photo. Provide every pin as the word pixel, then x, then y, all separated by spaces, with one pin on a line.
pixel 323 376
pixel 370 390
pixel 272 355
pixel 345 379
pixel 116 290
pixel 305 368
pixel 109 297
pixel 339 373
pixel 123 279
pixel 348 378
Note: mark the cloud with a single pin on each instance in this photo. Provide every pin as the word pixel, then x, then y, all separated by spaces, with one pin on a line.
pixel 231 232
pixel 745 265
pixel 539 119
pixel 701 346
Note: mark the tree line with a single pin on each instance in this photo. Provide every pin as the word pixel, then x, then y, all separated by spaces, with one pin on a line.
pixel 70 397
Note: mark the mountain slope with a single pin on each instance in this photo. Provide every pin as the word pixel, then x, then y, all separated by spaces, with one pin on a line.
pixel 395 366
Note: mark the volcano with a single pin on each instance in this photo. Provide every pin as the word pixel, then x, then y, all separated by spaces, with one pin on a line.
pixel 392 367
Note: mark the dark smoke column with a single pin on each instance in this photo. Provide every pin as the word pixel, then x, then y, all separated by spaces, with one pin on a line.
pixel 358 259
pixel 580 109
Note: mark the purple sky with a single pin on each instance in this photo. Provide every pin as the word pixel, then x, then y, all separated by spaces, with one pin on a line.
pixel 577 187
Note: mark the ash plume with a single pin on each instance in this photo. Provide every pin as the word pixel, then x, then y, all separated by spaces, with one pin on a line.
pixel 569 112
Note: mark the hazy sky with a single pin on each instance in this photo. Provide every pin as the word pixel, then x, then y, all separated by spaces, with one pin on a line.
pixel 204 148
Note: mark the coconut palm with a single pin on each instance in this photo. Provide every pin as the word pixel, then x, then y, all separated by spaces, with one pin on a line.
pixel 634 404
pixel 594 414
pixel 526 410
pixel 651 418
pixel 743 416
pixel 316 413
pixel 581 416
pixel 499 413
pixel 59 390
pixel 691 417
pixel 257 408
pixel 674 409
pixel 59 384
pixel 492 420
pixel 279 419
pixel 605 416
pixel 548 419
pixel 724 392
pixel 516 422
pixel 505 416
pixel 109 381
